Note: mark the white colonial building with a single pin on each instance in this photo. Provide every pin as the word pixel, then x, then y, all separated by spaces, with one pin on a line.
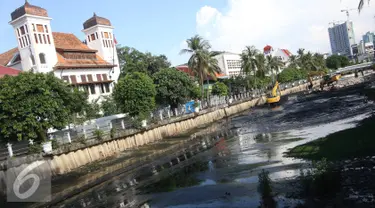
pixel 282 54
pixel 92 66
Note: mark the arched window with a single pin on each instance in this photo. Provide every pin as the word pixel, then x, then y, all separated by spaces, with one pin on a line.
pixel 42 58
pixel 32 60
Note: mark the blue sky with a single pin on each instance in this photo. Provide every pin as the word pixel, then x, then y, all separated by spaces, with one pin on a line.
pixel 147 25
pixel 162 26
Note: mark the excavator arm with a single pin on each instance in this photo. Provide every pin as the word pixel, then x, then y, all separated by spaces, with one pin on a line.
pixel 275 88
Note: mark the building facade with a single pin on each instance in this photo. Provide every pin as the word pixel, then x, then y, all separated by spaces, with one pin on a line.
pixel 92 67
pixel 282 54
pixel 342 38
pixel 369 37
pixel 229 63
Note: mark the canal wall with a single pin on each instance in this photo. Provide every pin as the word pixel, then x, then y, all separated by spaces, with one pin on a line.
pixel 70 161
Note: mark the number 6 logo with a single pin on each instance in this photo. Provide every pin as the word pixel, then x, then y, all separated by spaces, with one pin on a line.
pixel 24 176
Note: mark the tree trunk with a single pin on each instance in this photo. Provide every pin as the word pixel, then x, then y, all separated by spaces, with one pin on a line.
pixel 201 82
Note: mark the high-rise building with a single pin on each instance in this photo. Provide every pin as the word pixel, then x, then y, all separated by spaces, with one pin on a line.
pixel 342 38
pixel 369 37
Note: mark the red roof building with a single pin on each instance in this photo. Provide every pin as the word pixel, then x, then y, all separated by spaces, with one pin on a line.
pixel 186 69
pixel 91 65
pixel 8 71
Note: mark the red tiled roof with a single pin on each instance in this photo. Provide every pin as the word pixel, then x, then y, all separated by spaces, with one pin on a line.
pixel 66 42
pixel 63 63
pixel 287 52
pixel 7 56
pixel 96 20
pixel 8 71
pixel 267 48
pixel 69 42
pixel 28 9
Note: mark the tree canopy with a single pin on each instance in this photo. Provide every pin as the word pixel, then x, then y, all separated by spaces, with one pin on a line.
pixel 31 103
pixel 337 61
pixel 135 94
pixel 132 60
pixel 220 89
pixel 173 87
pixel 201 61
pixel 109 106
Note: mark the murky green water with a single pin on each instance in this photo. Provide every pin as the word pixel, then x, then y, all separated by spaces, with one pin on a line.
pixel 229 160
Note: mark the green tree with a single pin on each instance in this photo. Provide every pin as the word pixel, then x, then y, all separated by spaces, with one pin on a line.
pixel 109 106
pixel 201 61
pixel 344 61
pixel 265 190
pixel 220 89
pixel 132 60
pixel 135 94
pixel 273 65
pixel 31 103
pixel 261 64
pixel 248 60
pixel 333 62
pixel 173 87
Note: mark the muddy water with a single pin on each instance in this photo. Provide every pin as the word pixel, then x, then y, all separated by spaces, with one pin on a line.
pixel 229 160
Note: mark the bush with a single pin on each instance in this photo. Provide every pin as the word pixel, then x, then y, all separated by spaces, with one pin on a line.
pixel 99 134
pixel 81 139
pixel 265 190
pixel 322 180
pixel 113 133
pixel 219 89
pixel 291 74
pixel 35 148
pixel 55 144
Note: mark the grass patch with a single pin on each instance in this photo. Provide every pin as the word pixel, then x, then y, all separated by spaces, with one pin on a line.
pixel 355 142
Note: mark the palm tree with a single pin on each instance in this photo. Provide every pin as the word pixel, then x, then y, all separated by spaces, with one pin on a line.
pixel 293 60
pixel 248 61
pixel 274 64
pixel 319 62
pixel 301 53
pixel 260 61
pixel 201 61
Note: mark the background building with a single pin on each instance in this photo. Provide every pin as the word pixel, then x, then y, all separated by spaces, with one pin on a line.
pixel 342 38
pixel 92 67
pixel 369 37
pixel 229 63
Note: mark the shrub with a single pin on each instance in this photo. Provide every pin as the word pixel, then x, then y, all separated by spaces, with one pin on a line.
pixel 219 89
pixel 55 144
pixel 322 180
pixel 99 134
pixel 81 139
pixel 35 148
pixel 291 74
pixel 113 133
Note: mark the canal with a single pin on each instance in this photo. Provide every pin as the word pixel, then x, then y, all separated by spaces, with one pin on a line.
pixel 220 167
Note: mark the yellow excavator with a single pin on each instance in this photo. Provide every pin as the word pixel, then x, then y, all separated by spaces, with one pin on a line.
pixel 275 95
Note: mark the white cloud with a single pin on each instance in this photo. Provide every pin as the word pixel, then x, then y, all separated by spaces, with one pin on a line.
pixel 291 24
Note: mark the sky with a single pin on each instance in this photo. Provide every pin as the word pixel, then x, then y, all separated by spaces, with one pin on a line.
pixel 162 26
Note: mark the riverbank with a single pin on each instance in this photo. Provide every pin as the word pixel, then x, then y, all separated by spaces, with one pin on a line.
pixel 236 159
pixel 347 144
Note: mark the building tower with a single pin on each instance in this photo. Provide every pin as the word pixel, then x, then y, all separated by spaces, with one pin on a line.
pixel 99 36
pixel 34 36
pixel 342 38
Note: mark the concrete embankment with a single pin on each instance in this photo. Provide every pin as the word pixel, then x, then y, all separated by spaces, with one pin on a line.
pixel 70 161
